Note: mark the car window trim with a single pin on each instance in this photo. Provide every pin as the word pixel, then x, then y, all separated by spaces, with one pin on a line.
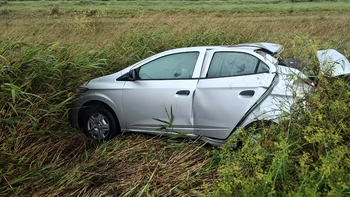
pixel 257 66
pixel 195 78
pixel 235 75
pixel 255 71
pixel 169 79
pixel 180 52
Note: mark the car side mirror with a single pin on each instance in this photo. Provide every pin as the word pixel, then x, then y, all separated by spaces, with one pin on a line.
pixel 132 75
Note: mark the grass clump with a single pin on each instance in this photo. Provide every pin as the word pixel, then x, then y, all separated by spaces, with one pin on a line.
pixel 37 81
pixel 55 10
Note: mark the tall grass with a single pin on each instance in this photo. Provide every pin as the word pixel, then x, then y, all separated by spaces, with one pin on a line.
pixel 115 29
pixel 42 155
pixel 37 84
pixel 42 64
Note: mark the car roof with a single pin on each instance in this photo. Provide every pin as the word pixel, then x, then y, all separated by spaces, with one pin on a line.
pixel 216 48
pixel 270 48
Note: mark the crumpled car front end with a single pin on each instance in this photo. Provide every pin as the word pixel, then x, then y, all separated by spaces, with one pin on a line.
pixel 333 63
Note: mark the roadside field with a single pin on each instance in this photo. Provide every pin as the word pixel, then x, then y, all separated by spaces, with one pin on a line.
pixel 49 48
pixel 113 24
pixel 239 6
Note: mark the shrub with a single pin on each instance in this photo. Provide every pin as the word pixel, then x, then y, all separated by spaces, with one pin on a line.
pixel 307 155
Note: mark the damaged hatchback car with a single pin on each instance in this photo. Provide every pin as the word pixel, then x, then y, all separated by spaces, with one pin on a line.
pixel 201 92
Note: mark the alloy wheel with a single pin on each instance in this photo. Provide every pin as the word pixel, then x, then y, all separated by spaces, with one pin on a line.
pixel 98 126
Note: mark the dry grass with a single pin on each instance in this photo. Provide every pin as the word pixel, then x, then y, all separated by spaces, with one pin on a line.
pixel 129 165
pixel 109 30
pixel 59 161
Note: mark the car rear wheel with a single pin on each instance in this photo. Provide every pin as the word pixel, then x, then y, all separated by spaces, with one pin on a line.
pixel 255 133
pixel 98 122
pixel 255 136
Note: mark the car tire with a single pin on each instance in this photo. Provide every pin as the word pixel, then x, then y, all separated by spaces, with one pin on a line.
pixel 255 135
pixel 98 122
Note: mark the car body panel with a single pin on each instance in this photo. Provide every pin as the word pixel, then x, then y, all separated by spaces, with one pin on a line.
pixel 333 63
pixel 247 118
pixel 279 100
pixel 159 96
pixel 219 103
pixel 223 97
pixel 106 96
pixel 145 100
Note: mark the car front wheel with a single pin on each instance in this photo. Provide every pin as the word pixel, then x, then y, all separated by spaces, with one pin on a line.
pixel 99 123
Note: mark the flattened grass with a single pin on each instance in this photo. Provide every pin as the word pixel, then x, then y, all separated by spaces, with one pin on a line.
pixel 129 165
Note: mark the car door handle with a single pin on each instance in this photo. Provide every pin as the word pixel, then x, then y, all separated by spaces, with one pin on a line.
pixel 183 92
pixel 247 93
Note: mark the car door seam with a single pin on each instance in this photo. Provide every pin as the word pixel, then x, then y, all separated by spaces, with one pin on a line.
pixel 256 104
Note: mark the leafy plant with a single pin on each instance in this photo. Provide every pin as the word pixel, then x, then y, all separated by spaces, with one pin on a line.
pixel 306 155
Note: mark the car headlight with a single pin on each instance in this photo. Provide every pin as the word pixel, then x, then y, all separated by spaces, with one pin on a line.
pixel 81 90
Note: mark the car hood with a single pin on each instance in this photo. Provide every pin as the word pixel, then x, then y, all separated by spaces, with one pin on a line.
pixel 333 63
pixel 104 82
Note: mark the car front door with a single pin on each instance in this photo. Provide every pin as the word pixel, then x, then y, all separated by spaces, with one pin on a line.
pixel 231 82
pixel 164 88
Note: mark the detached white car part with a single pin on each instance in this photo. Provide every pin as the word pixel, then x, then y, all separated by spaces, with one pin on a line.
pixel 208 92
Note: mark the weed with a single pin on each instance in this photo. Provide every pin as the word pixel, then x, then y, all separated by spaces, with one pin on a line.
pixel 54 10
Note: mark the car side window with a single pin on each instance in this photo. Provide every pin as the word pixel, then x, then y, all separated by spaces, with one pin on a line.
pixel 226 64
pixel 262 68
pixel 174 66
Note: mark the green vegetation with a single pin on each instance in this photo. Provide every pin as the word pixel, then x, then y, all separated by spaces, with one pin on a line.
pixel 233 6
pixel 306 156
pixel 47 51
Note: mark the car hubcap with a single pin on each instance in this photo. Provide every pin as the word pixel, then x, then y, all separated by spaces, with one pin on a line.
pixel 98 126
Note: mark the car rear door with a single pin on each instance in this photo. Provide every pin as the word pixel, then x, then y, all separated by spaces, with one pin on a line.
pixel 167 82
pixel 231 82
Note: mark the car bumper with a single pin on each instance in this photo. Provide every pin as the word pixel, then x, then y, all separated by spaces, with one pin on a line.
pixel 73 114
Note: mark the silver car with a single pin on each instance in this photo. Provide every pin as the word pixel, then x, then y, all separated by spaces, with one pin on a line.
pixel 201 92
